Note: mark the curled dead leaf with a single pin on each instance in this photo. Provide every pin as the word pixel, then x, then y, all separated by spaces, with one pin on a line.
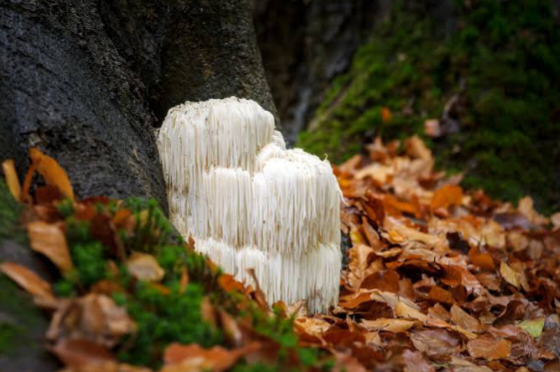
pixel 49 240
pixel 387 324
pixel 27 279
pixel 12 179
pixel 144 266
pixel 52 172
pixel 94 317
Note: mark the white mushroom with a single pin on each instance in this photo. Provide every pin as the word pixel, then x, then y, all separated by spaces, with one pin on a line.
pixel 250 203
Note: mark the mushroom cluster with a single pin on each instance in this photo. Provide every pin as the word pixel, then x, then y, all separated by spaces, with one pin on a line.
pixel 249 203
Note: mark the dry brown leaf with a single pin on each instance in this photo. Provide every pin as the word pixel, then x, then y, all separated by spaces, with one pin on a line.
pixel 27 279
pixel 53 173
pixel 555 219
pixel 436 342
pixel 447 196
pixel 464 320
pixel 186 358
pixel 84 355
pixel 509 275
pixel 462 365
pixel 489 348
pixel 49 240
pixel 526 207
pixel 388 324
pixel 144 266
pixel 94 317
pixel 415 362
pixel 12 179
pixel 416 148
pixel 231 328
pixel 404 311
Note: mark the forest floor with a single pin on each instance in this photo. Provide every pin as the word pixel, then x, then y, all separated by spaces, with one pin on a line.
pixel 436 278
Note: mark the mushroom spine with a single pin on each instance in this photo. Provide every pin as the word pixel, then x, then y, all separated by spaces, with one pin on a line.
pixel 249 203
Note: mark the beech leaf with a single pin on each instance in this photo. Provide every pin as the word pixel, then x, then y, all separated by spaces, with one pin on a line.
pixel 52 172
pixel 27 279
pixel 49 240
pixel 144 267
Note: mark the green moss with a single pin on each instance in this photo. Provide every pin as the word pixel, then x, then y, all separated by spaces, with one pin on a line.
pixel 503 60
pixel 168 313
pixel 10 337
pixel 10 215
pixel 166 318
pixel 21 319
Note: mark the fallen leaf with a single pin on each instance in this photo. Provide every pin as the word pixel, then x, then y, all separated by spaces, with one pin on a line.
pixel 436 342
pixel 464 320
pixel 144 266
pixel 415 362
pixel 385 280
pixel 555 219
pixel 534 326
pixel 416 148
pixel 84 355
pixel 489 348
pixel 50 240
pixel 386 114
pixel 53 173
pixel 509 275
pixel 387 324
pixel 27 279
pixel 462 365
pixel 231 328
pixel 447 196
pixel 94 317
pixel 179 358
pixel 404 311
pixel 482 260
pixel 12 179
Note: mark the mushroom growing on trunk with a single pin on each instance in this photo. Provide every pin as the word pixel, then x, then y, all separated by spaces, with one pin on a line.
pixel 249 203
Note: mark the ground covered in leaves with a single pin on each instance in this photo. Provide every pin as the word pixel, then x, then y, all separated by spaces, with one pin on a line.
pixel 436 279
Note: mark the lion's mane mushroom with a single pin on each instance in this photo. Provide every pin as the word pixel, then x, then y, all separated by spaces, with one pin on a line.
pixel 250 203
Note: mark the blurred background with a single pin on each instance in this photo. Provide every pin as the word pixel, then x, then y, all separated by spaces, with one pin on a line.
pixel 478 80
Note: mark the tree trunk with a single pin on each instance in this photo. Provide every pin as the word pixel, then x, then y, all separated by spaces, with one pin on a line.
pixel 87 81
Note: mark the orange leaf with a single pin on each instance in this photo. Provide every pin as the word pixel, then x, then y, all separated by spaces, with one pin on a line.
pixel 11 178
pixel 50 241
pixel 194 358
pixel 488 347
pixel 482 260
pixel 464 320
pixel 446 196
pixel 386 114
pixel 387 324
pixel 52 172
pixel 27 279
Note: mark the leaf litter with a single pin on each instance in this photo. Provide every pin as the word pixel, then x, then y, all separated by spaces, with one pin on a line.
pixel 437 279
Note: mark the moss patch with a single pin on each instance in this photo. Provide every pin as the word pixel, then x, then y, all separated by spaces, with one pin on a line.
pixel 502 63
pixel 169 311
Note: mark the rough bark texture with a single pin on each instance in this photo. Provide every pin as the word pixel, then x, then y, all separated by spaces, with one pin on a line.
pixel 87 80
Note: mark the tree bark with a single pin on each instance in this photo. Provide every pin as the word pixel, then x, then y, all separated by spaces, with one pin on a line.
pixel 87 81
